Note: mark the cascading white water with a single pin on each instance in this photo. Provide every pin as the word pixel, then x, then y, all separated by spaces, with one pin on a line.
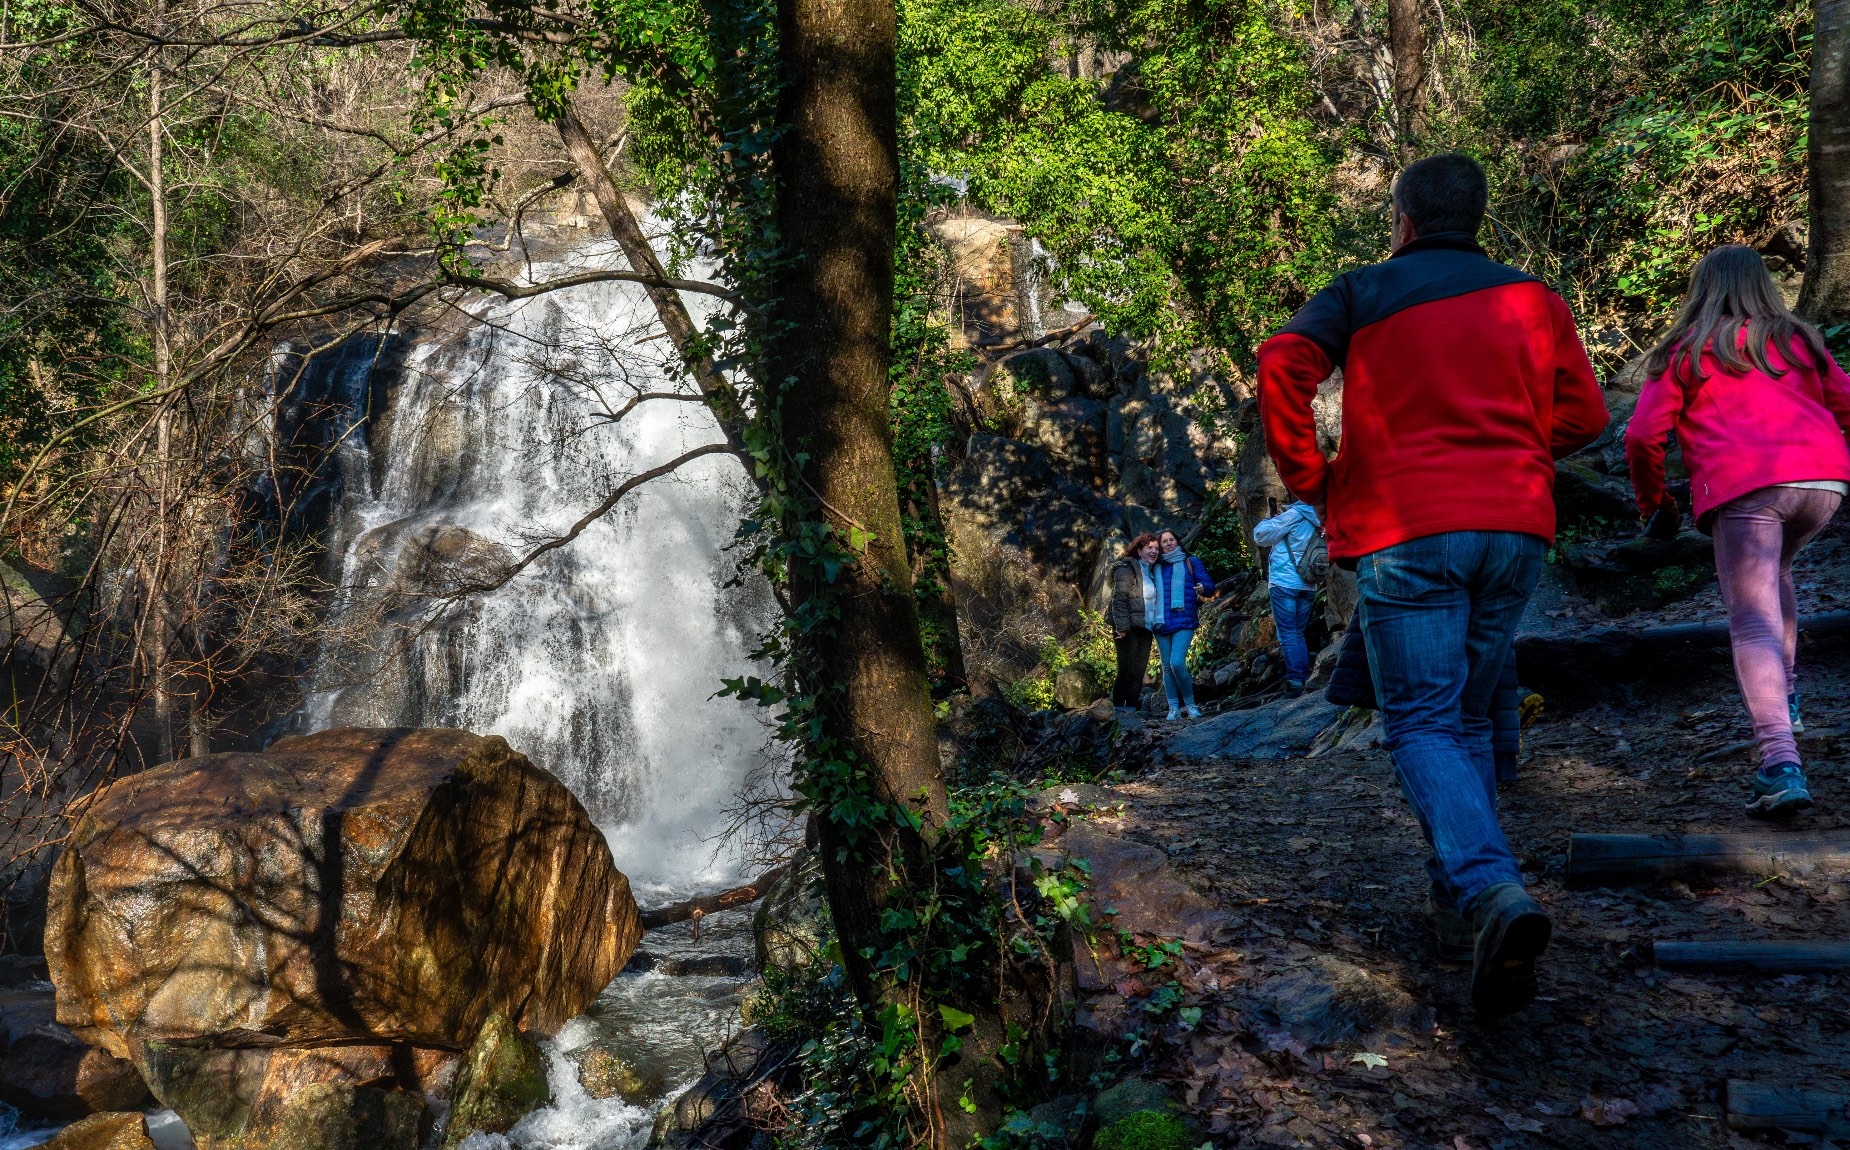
pixel 598 661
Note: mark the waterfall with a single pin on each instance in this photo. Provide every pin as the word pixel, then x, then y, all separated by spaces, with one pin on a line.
pixel 598 661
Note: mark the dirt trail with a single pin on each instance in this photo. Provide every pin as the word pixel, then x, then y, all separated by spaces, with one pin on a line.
pixel 1317 865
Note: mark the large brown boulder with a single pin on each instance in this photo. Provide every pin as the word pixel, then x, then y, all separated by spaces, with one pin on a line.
pixel 356 884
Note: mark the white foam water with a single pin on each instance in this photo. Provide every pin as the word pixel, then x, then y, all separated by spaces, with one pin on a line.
pixel 599 661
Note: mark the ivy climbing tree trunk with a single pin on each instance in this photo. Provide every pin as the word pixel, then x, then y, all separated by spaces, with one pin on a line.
pixel 1407 42
pixel 838 177
pixel 1825 296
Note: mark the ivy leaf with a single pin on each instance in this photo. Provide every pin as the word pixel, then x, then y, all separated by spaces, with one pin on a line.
pixel 954 1019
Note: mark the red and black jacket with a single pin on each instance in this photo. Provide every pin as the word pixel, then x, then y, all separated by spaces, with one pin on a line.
pixel 1463 382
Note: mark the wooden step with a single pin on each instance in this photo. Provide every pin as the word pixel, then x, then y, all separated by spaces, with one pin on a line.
pixel 1763 1106
pixel 1771 957
pixel 1625 860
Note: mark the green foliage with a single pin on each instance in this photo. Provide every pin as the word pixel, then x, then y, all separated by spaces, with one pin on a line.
pixel 1145 1130
pixel 1089 647
pixel 1627 137
pixel 1193 203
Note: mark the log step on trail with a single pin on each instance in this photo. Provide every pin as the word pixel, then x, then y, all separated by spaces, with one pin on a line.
pixel 1771 957
pixel 1607 651
pixel 1623 860
pixel 1764 1106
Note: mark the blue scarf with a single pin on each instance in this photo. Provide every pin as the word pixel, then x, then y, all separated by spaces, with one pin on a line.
pixel 1177 561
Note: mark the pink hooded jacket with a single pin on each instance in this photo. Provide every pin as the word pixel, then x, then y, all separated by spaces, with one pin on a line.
pixel 1740 432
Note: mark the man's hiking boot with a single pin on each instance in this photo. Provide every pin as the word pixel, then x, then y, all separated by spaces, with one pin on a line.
pixel 1512 931
pixel 1452 939
pixel 1506 767
pixel 1293 690
pixel 1192 711
pixel 1779 792
pixel 1792 709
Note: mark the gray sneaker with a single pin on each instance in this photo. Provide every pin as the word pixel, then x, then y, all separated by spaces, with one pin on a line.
pixel 1512 932
pixel 1452 937
pixel 1779 792
pixel 1792 709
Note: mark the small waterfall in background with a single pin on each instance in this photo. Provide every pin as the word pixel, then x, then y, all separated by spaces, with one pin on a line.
pixel 598 662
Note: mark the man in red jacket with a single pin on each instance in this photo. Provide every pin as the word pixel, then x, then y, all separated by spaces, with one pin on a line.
pixel 1463 382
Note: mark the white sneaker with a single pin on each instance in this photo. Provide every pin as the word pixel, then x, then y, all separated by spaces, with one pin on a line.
pixel 1194 712
pixel 1174 714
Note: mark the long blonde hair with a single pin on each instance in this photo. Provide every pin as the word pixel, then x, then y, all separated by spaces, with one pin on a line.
pixel 1730 290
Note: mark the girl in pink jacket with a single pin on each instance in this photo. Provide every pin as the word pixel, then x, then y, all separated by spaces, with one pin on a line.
pixel 1761 410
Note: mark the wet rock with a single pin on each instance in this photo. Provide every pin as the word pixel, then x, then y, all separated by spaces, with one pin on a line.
pixel 1327 1001
pixel 1278 730
pixel 792 927
pixel 604 1075
pixel 439 557
pixel 713 1113
pixel 114 1131
pixel 706 966
pixel 356 884
pixel 48 1072
pixel 502 1078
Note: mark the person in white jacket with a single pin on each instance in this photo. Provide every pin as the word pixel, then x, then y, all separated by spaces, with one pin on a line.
pixel 1288 536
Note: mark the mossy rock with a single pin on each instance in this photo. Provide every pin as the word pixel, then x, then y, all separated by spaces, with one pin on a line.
pixel 502 1079
pixel 604 1075
pixel 343 1116
pixel 1145 1130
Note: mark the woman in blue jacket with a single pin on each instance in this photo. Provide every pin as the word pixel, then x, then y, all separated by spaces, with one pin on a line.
pixel 1181 583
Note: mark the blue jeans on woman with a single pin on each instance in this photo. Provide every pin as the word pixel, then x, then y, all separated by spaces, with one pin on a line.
pixel 1440 614
pixel 1290 618
pixel 1178 684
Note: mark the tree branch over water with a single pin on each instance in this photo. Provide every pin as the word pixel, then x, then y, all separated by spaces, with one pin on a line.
pixel 507 574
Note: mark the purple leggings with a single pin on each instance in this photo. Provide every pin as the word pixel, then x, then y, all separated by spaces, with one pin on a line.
pixel 1756 537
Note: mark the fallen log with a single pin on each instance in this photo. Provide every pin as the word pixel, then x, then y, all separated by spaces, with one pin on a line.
pixel 1771 957
pixel 1605 651
pixel 1764 1106
pixel 1623 860
pixel 697 908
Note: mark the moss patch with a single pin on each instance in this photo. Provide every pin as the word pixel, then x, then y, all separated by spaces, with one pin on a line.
pixel 1145 1130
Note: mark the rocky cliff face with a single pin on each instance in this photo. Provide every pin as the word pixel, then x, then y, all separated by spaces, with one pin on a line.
pixel 1077 447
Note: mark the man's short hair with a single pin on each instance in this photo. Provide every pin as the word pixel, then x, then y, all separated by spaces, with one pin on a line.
pixel 1445 193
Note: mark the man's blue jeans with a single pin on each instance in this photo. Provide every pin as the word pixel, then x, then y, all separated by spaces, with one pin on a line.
pixel 1440 614
pixel 1290 618
pixel 1178 684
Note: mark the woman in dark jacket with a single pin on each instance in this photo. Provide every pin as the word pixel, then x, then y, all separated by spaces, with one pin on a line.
pixel 1130 612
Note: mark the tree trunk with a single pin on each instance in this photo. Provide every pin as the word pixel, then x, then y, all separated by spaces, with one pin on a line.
pixel 159 615
pixel 838 177
pixel 1825 296
pixel 682 332
pixel 1407 41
